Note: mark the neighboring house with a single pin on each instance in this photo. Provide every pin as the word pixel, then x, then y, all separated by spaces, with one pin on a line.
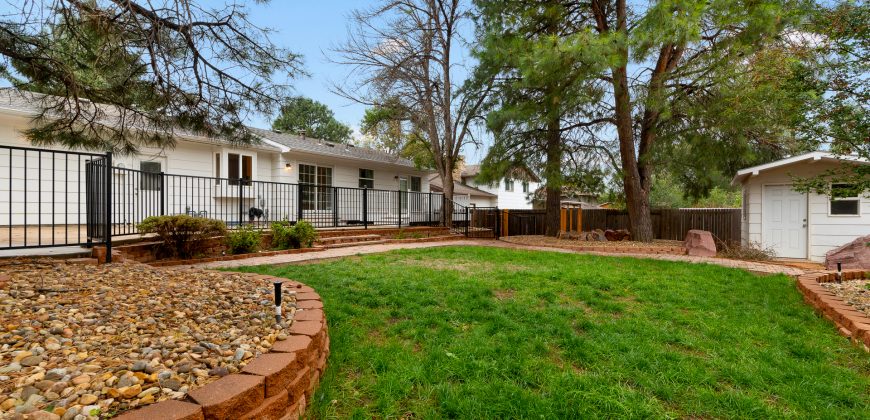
pixel 571 198
pixel 465 195
pixel 512 192
pixel 796 224
pixel 267 167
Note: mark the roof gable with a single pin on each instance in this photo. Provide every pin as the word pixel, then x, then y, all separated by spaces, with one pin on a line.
pixel 744 174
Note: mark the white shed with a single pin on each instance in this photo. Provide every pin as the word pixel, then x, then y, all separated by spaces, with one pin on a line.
pixel 795 224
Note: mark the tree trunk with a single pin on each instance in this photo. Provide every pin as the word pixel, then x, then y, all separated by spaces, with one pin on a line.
pixel 447 182
pixel 636 196
pixel 553 173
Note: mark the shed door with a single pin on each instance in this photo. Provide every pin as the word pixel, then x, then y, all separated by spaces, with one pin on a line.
pixel 784 221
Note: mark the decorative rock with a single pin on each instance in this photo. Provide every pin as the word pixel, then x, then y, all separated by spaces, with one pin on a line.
pixel 128 343
pixel 700 243
pixel 855 254
pixel 87 399
pixel 617 235
pixel 31 361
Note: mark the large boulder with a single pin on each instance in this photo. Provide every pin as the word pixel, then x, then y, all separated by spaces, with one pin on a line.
pixel 617 235
pixel 855 254
pixel 700 243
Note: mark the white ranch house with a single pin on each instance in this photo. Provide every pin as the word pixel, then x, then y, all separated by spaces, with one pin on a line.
pixel 30 180
pixel 795 224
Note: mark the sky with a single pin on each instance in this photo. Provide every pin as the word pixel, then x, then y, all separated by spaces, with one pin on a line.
pixel 312 28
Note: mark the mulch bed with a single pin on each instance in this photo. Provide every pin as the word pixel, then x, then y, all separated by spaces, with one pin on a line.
pixel 86 339
pixel 605 246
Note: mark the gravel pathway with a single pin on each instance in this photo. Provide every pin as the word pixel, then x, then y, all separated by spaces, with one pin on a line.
pixel 755 267
pixel 95 340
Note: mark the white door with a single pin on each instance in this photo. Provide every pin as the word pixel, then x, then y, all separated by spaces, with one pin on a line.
pixel 784 221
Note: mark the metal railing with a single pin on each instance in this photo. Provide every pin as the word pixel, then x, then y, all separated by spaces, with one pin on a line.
pixel 45 197
pixel 64 198
pixel 239 202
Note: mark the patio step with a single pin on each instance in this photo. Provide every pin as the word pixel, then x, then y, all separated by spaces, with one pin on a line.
pixel 358 243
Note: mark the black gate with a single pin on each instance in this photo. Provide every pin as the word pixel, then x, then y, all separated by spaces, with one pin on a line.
pixel 98 173
pixel 473 222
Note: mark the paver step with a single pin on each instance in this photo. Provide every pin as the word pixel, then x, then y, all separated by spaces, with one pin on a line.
pixel 358 243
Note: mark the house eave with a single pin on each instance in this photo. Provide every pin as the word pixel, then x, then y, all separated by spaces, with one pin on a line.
pixel 745 174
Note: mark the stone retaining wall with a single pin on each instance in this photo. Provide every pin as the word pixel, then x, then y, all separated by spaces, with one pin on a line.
pixel 274 385
pixel 851 323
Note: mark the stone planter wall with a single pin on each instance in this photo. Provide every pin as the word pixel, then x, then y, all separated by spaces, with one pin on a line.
pixel 274 385
pixel 851 323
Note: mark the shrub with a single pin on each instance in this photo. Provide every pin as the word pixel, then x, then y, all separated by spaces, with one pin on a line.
pixel 752 251
pixel 281 234
pixel 299 235
pixel 243 241
pixel 183 236
pixel 303 234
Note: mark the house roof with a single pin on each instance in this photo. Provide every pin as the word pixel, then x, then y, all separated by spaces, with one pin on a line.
pixel 322 147
pixel 26 103
pixel 458 188
pixel 521 172
pixel 744 174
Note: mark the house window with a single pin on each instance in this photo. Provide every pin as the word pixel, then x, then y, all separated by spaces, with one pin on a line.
pixel 845 200
pixel 525 186
pixel 316 185
pixel 416 184
pixel 366 178
pixel 150 180
pixel 240 166
pixel 508 184
pixel 217 168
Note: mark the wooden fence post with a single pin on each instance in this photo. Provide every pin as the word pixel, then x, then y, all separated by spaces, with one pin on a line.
pixel 504 223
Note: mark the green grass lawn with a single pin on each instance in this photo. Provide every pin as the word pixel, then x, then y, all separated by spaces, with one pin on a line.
pixel 477 332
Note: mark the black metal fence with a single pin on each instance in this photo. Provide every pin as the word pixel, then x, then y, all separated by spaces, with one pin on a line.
pixel 63 198
pixel 46 197
pixel 237 202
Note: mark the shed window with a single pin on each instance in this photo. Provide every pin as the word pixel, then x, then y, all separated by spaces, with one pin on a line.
pixel 845 200
pixel 525 186
pixel 416 184
pixel 508 184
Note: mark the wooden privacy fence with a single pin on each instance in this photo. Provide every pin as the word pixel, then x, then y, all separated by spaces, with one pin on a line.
pixel 724 224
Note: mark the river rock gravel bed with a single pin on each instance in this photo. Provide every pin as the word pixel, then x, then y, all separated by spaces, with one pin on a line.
pixel 854 292
pixel 85 341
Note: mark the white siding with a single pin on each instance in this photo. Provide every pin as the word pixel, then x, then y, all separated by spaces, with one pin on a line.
pixel 825 232
pixel 516 199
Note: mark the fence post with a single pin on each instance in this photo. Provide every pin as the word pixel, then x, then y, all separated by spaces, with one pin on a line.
pixel 399 193
pixel 108 231
pixel 241 207
pixel 335 206
pixel 467 222
pixel 430 208
pixel 162 193
pixel 365 193
pixel 299 201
